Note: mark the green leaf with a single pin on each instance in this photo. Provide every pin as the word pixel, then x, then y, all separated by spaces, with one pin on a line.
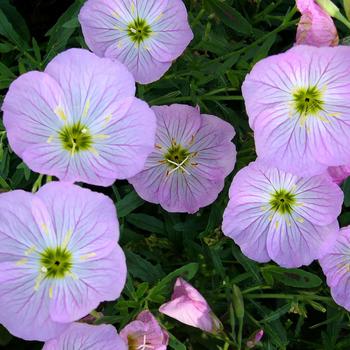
pixel 140 268
pixel 128 204
pixel 16 19
pixel 5 336
pixel 346 190
pixel 146 222
pixel 347 8
pixel 175 343
pixel 188 272
pixel 61 32
pixel 7 30
pixel 294 277
pixel 231 17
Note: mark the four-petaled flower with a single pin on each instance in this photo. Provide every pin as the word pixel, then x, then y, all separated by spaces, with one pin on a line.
pixel 146 35
pixel 192 156
pixel 280 216
pixel 298 104
pixel 59 258
pixel 79 120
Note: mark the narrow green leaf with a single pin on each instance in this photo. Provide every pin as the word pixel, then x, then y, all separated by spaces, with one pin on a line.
pixel 188 272
pixel 347 8
pixel 230 16
pixel 294 277
pixel 128 204
pixel 146 222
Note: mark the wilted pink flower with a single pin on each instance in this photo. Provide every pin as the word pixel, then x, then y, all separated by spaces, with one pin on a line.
pixel 316 27
pixel 145 333
pixel 80 336
pixel 255 339
pixel 188 306
pixel 339 173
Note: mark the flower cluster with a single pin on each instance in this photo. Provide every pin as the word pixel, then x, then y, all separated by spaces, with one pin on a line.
pixel 284 206
pixel 80 121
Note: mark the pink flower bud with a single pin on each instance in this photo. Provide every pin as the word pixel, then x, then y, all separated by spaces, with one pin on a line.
pixel 316 27
pixel 254 339
pixel 188 306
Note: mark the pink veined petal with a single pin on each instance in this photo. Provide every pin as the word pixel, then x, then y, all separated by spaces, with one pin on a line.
pixel 319 200
pixel 27 314
pixel 293 241
pixel 29 111
pixel 131 140
pixel 172 33
pixel 178 122
pixel 93 281
pixel 94 87
pixel 80 336
pixel 83 221
pixel 139 60
pixel 23 226
pixel 335 265
pixel 151 10
pixel 104 23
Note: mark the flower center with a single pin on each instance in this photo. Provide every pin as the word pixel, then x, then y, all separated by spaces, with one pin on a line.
pixel 56 262
pixel 177 155
pixel 308 101
pixel 282 201
pixel 139 30
pixel 75 138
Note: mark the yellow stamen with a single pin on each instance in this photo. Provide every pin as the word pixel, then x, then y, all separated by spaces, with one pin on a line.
pixel 21 262
pixel 51 292
pixel 87 256
pixel 30 250
pixel 86 108
pixel 60 113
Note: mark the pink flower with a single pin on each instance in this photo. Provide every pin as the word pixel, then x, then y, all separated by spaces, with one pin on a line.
pixel 316 27
pixel 145 333
pixel 255 339
pixel 188 306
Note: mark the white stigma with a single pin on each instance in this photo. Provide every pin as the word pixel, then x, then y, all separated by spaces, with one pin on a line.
pixel 179 166
pixel 144 346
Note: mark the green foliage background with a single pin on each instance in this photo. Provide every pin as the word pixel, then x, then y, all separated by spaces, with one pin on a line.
pixel 293 307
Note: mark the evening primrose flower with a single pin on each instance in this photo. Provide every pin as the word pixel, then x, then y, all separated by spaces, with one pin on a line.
pixel 192 156
pixel 276 215
pixel 316 26
pixel 59 258
pixel 80 336
pixel 188 306
pixel 79 120
pixel 146 35
pixel 335 263
pixel 298 105
pixel 145 333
